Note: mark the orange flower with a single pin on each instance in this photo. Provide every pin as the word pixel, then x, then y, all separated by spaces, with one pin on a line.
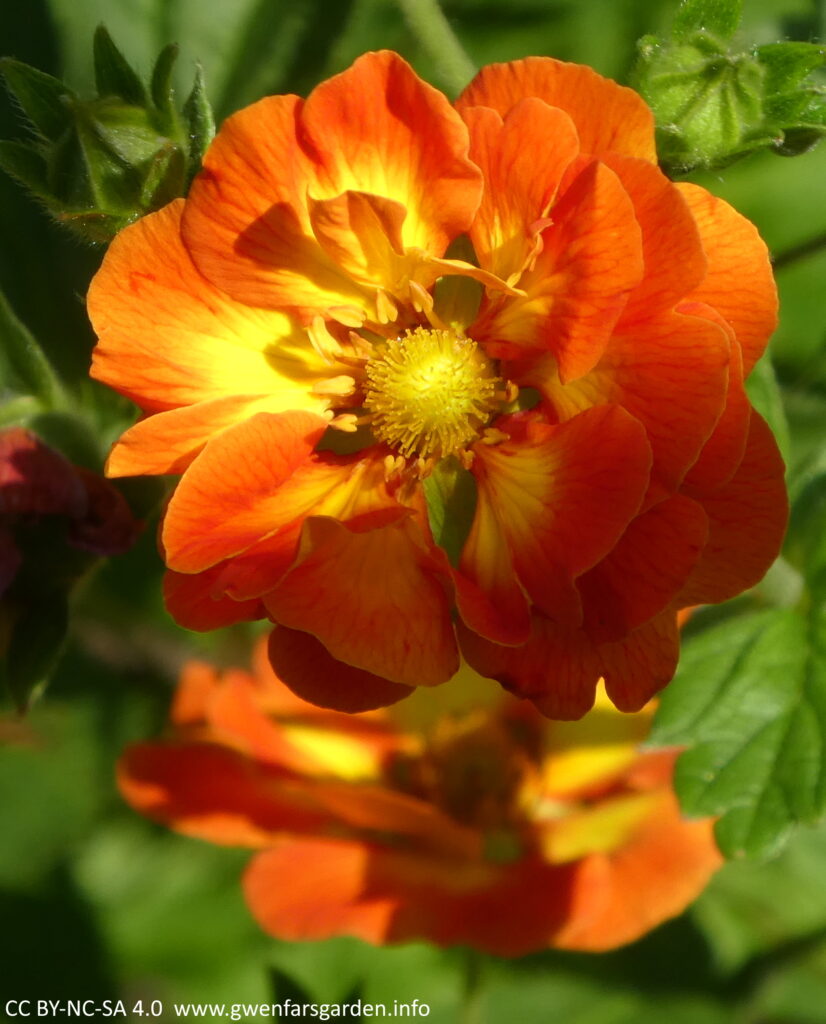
pixel 484 825
pixel 443 378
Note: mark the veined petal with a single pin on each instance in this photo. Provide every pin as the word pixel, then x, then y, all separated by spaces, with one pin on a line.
pixel 167 337
pixel 562 495
pixel 393 624
pixel 747 521
pixel 246 221
pixel 646 569
pixel 558 668
pixel 378 128
pixel 247 483
pixel 591 259
pixel 739 282
pixel 198 602
pixel 609 118
pixel 167 442
pixel 521 179
pixel 640 665
pixel 670 372
pixel 671 244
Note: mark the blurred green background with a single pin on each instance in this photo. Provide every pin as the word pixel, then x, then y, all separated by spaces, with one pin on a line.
pixel 96 903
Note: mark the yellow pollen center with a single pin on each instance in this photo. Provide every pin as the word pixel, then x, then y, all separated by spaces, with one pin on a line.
pixel 429 393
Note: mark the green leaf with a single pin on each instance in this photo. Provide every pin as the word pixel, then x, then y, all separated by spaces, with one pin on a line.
pixel 26 165
pixel 450 491
pixel 788 63
pixel 806 544
pixel 200 122
pixel 750 704
pixel 42 97
pixel 719 18
pixel 114 75
pixel 25 368
pixel 38 632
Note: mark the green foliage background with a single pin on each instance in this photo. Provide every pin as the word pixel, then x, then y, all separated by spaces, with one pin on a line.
pixel 96 903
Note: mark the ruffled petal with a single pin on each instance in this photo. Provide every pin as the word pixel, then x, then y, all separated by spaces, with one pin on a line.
pixel 739 282
pixel 609 118
pixel 562 496
pixel 198 602
pixel 314 675
pixel 591 259
pixel 670 372
pixel 644 572
pixel 167 338
pixel 640 665
pixel 747 521
pixel 393 624
pixel 521 180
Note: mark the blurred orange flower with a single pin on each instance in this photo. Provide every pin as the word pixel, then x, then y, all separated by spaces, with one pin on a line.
pixel 482 823
pixel 445 378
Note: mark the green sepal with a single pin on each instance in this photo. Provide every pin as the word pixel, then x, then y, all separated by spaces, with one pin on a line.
pixel 160 85
pixel 42 98
pixel 114 75
pixel 717 18
pixel 26 164
pixel 451 496
pixel 200 122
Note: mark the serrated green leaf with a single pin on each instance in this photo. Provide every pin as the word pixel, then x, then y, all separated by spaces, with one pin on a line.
pixel 719 18
pixel 788 63
pixel 42 97
pixel 200 122
pixel 114 75
pixel 161 87
pixel 25 368
pixel 750 705
pixel 450 492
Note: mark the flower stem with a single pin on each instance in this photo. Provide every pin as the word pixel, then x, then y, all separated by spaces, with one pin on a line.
pixel 428 23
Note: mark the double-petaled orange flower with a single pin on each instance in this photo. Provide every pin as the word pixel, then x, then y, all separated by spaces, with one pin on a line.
pixel 448 378
pixel 483 824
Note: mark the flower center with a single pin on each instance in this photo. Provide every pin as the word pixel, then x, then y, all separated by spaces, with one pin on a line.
pixel 429 392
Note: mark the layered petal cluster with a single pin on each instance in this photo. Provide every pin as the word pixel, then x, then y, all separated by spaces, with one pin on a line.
pixel 463 818
pixel 448 379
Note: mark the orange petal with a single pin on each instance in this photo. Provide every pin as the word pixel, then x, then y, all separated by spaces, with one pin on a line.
pixel 609 118
pixel 379 128
pixel 167 442
pixel 214 793
pixel 246 222
pixel 196 602
pixel 393 624
pixel 612 898
pixel 671 245
pixel 747 521
pixel 382 895
pixel 562 495
pixel 590 261
pixel 558 668
pixel 234 493
pixel 670 372
pixel 198 684
pixel 313 674
pixel 521 179
pixel 646 569
pixel 723 451
pixel 166 337
pixel 739 282
pixel 640 665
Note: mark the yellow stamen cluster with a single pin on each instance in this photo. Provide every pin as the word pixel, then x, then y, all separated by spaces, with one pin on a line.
pixel 429 393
